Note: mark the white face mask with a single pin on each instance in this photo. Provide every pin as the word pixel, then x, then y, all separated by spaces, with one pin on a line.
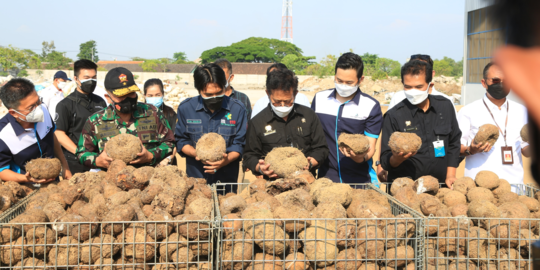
pixel 227 84
pixel 345 90
pixel 61 85
pixel 415 96
pixel 281 111
pixel 34 116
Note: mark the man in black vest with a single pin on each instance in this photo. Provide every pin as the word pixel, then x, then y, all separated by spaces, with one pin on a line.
pixel 75 109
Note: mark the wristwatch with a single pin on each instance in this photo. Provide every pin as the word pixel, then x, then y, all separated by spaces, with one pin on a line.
pixel 467 152
pixel 377 163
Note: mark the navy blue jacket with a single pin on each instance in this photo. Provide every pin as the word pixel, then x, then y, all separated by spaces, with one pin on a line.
pixel 194 120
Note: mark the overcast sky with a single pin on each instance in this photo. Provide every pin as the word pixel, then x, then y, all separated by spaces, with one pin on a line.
pixel 154 29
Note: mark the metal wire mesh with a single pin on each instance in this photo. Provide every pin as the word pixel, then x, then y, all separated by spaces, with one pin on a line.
pixel 16 209
pixel 174 244
pixel 317 243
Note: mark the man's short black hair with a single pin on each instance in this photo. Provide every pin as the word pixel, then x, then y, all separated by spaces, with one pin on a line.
pixel 351 61
pixel 83 64
pixel 153 82
pixel 417 67
pixel 281 79
pixel 486 70
pixel 14 91
pixel 224 64
pixel 519 20
pixel 276 66
pixel 209 73
pixel 423 57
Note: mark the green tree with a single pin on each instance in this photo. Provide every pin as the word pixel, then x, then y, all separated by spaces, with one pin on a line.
pixel 149 65
pixel 443 67
pixel 240 53
pixel 138 59
pixel 57 60
pixel 48 47
pixel 88 50
pixel 12 58
pixel 280 48
pixel 296 63
pixel 325 67
pixel 33 60
pixel 180 58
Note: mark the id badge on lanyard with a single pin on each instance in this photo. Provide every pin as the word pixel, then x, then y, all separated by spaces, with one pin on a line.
pixel 438 146
pixel 507 153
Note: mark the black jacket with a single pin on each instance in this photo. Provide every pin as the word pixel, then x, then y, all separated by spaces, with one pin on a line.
pixel 301 130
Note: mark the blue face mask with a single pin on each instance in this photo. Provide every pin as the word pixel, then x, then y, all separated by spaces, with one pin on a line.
pixel 156 101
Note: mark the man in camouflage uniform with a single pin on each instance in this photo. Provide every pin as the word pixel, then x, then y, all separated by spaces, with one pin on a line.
pixel 125 116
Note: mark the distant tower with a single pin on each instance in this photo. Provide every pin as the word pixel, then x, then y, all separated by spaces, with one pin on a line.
pixel 286 21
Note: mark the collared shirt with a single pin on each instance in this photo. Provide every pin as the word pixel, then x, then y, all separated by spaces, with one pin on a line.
pixel 263 102
pixel 19 145
pixel 51 96
pixel 437 123
pixel 194 120
pixel 400 96
pixel 474 115
pixel 244 99
pixel 360 115
pixel 302 130
pixel 147 123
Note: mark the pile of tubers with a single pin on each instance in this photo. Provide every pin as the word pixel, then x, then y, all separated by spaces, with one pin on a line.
pixel 480 223
pixel 308 226
pixel 125 216
pixel 11 193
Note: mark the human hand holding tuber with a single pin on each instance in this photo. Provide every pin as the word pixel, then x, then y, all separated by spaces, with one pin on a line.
pixel 382 174
pixel 143 157
pixel 479 148
pixel 312 163
pixel 103 160
pixel 265 169
pixel 37 181
pixel 350 154
pixel 216 165
pixel 66 174
pixel 397 158
pixel 450 181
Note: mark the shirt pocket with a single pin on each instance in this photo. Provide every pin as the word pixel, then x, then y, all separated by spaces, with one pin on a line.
pixel 195 132
pixel 442 132
pixel 304 137
pixel 228 133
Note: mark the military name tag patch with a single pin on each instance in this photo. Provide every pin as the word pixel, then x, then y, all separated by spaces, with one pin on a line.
pixel 194 121
pixel 409 129
pixel 269 130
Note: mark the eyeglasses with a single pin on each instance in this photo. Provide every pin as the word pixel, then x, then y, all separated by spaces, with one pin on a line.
pixel 39 102
pixel 495 80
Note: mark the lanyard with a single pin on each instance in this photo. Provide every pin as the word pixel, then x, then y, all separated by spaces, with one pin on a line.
pixel 505 123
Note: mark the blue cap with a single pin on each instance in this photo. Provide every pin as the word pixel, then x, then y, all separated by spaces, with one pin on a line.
pixel 61 75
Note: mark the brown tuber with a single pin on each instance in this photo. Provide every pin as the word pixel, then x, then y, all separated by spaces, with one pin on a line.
pixel 487 133
pixel 211 147
pixel 404 142
pixel 124 147
pixel 286 160
pixel 487 179
pixel 44 168
pixel 357 143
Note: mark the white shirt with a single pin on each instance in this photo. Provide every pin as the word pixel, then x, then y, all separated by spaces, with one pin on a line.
pixel 400 96
pixel 474 115
pixel 100 91
pixel 263 103
pixel 51 97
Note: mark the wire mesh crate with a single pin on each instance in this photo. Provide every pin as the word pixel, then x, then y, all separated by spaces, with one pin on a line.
pixel 317 243
pixel 16 209
pixel 173 244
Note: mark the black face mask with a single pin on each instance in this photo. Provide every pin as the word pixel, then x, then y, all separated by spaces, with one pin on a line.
pixel 88 86
pixel 127 105
pixel 213 103
pixel 496 91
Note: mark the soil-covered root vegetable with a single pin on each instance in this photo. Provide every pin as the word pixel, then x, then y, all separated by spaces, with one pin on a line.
pixel 112 221
pixel 531 203
pixel 399 183
pixel 452 239
pixel 399 230
pixel 65 252
pixel 202 207
pixel 349 259
pixel 297 261
pixel 296 197
pixel 270 237
pixel 286 160
pixel 330 210
pixel 150 192
pixel 487 179
pixel 137 244
pixel 508 197
pixel 18 191
pixel 126 179
pixel 320 243
pixel 480 193
pixel 14 252
pixel 237 251
pixel 31 263
pixel 159 230
pixel 480 247
pixel 75 226
pixel 463 264
pixel 509 258
pixel 408 196
pixel 487 133
pixel 454 198
pixel 482 209
pixel 371 241
pixel 442 191
pixel 341 193
pixel 104 246
pixel 369 210
pixel 76 207
pixel 44 168
pixel 302 176
pixel 7 199
pixel 297 218
pixel 430 205
pixel 517 211
pixel 463 185
pixel 211 147
pixel 265 261
pixel 399 256
pixel 524 133
pixel 54 211
pixel 114 168
pixel 192 226
pixel 232 205
pixel 124 147
pixel 404 142
pixel 231 223
pixel 72 194
pixel 504 187
pixel 171 201
pixel 257 185
pixel 143 174
pixel 426 184
pixel 39 240
pixel 293 181
pixel 459 210
pixel 357 143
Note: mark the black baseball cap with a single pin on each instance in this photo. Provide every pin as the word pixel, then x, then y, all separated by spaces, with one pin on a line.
pixel 61 75
pixel 120 82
